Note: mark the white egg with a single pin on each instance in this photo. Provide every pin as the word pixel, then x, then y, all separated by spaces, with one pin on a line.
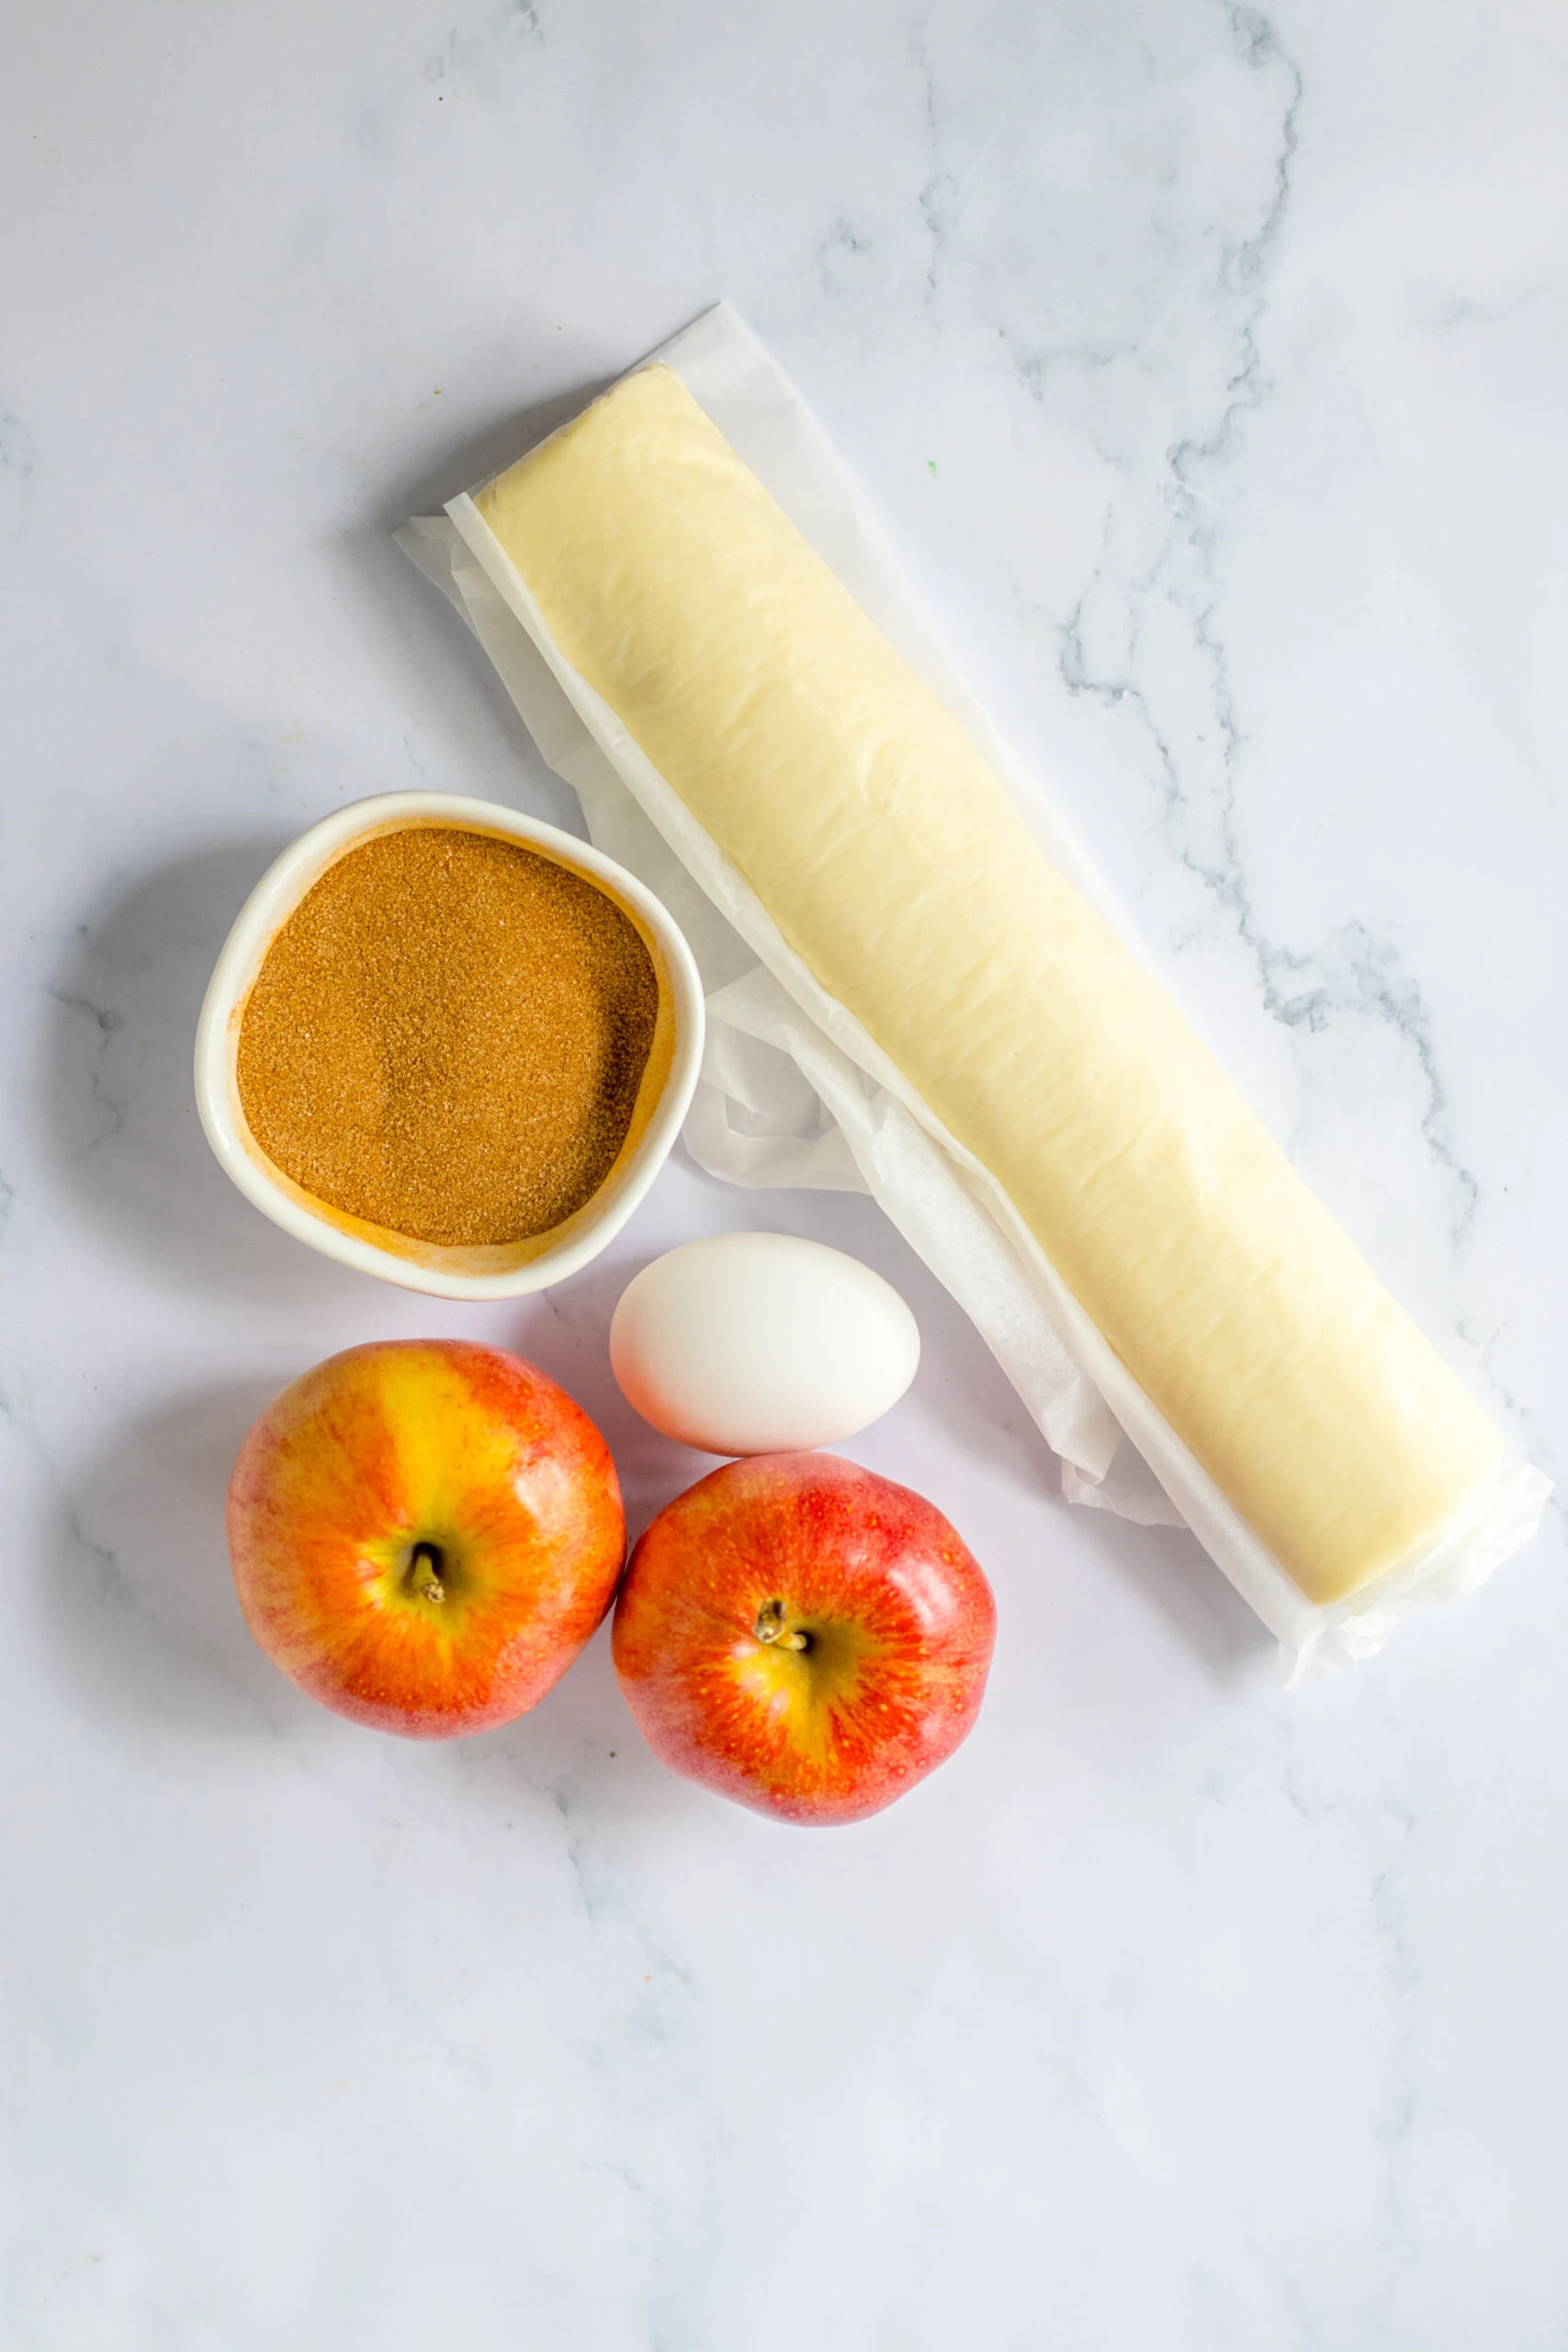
pixel 761 1343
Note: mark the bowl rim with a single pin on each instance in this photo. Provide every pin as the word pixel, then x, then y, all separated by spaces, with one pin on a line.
pixel 274 899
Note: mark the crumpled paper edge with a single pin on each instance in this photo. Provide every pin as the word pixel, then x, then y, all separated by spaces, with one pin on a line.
pixel 854 1119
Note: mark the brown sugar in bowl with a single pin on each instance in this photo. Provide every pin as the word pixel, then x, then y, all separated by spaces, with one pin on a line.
pixel 559 1203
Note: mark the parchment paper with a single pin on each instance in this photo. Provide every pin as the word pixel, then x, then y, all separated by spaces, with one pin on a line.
pixel 795 1092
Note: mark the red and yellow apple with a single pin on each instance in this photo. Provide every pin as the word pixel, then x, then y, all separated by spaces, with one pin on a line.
pixel 803 1636
pixel 425 1533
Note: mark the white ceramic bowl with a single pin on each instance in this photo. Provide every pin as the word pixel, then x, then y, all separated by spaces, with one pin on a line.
pixel 507 1269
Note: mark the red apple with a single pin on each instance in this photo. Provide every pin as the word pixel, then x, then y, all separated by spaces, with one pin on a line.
pixel 803 1636
pixel 425 1533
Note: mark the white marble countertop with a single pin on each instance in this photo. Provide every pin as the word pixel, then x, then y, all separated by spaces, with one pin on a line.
pixel 1208 371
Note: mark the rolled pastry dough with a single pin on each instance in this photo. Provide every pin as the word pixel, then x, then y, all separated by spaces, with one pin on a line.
pixel 894 866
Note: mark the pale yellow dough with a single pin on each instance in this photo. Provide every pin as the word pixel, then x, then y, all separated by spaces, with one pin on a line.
pixel 894 866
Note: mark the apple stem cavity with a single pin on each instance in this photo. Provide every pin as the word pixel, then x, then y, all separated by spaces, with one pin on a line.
pixel 771 1627
pixel 425 1572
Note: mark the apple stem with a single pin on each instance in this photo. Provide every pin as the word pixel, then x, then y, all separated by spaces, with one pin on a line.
pixel 769 1627
pixel 425 1568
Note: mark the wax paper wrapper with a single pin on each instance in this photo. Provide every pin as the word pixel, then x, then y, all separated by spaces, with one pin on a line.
pixel 795 1092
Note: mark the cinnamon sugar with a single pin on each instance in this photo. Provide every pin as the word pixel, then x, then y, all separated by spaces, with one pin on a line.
pixel 446 1037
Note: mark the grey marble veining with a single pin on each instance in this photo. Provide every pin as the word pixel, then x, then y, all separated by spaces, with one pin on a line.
pixel 1206 366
